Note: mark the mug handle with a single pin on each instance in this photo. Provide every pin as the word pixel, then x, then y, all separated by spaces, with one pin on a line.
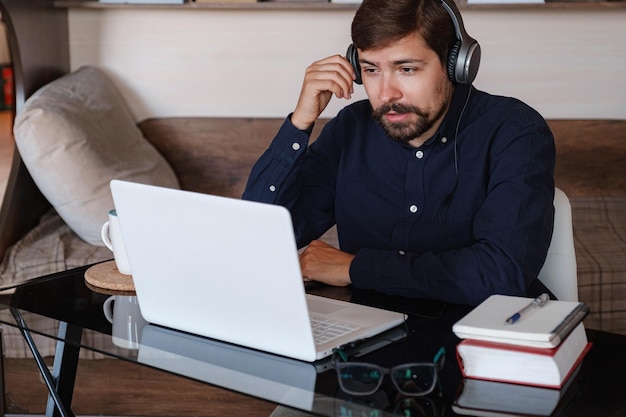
pixel 104 233
pixel 107 308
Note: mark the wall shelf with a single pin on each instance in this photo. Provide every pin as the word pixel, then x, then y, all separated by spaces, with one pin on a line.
pixel 315 5
pixel 231 5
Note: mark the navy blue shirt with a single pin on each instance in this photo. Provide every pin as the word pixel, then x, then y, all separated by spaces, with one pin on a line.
pixel 466 215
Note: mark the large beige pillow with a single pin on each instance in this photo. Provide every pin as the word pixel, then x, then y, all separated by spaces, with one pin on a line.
pixel 75 135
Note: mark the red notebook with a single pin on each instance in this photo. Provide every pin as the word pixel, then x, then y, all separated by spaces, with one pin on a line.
pixel 546 367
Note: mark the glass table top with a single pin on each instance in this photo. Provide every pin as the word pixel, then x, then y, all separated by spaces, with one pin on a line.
pixel 43 304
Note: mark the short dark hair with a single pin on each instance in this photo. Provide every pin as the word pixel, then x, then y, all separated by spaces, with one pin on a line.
pixel 378 23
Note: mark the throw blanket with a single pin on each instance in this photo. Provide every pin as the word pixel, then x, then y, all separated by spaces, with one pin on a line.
pixel 50 247
pixel 600 243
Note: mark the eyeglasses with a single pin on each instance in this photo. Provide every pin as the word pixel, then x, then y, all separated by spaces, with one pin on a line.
pixel 411 379
pixel 422 406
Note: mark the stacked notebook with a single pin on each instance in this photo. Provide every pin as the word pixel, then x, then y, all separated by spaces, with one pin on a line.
pixel 542 349
pixel 477 397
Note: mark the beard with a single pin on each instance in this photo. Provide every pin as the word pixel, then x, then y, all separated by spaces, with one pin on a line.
pixel 404 132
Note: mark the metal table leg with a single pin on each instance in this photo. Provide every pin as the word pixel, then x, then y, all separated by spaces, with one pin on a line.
pixel 60 382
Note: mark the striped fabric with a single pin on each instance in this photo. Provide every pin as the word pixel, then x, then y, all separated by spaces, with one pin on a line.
pixel 600 243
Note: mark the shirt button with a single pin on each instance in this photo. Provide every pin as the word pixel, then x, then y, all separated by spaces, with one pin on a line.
pixel 295 146
pixel 444 140
pixel 413 209
pixel 419 154
pixel 272 188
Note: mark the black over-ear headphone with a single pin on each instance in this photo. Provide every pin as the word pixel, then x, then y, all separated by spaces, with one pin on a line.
pixel 463 58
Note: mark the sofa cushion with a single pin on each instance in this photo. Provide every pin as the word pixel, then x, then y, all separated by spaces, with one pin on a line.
pixel 75 135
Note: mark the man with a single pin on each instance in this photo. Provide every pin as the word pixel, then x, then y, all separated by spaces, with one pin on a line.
pixel 438 190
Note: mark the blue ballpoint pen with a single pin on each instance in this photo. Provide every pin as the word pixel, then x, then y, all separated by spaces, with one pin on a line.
pixel 536 303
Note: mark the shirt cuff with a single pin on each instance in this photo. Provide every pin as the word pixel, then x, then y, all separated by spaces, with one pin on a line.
pixel 306 131
pixel 365 268
pixel 290 140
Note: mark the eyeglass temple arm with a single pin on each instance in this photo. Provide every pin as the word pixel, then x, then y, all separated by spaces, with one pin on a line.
pixel 440 353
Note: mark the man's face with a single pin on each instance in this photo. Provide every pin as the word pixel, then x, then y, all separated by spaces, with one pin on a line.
pixel 408 88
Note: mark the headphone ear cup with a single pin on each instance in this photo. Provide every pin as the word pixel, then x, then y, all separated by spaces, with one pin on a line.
pixel 352 56
pixel 453 57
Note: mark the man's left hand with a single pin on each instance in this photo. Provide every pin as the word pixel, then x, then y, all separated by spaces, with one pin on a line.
pixel 321 262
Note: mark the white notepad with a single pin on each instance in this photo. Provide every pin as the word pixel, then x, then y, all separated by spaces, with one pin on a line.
pixel 543 327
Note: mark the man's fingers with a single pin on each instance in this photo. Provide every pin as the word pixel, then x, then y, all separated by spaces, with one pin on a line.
pixel 331 76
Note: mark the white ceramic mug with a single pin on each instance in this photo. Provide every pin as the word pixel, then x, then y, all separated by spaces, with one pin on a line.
pixel 123 312
pixel 112 237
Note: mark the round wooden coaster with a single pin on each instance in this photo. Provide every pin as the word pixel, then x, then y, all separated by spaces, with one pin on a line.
pixel 105 291
pixel 106 276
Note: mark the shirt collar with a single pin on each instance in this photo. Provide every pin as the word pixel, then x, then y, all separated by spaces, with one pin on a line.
pixel 460 96
pixel 448 127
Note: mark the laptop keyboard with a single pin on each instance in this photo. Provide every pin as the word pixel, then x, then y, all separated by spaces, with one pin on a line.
pixel 325 330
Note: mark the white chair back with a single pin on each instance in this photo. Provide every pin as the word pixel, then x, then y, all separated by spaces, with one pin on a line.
pixel 559 272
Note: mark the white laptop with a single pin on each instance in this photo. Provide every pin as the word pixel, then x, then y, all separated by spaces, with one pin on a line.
pixel 228 269
pixel 276 378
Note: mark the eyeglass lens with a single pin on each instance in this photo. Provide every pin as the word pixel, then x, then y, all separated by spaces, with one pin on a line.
pixel 364 379
pixel 414 379
pixel 359 378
